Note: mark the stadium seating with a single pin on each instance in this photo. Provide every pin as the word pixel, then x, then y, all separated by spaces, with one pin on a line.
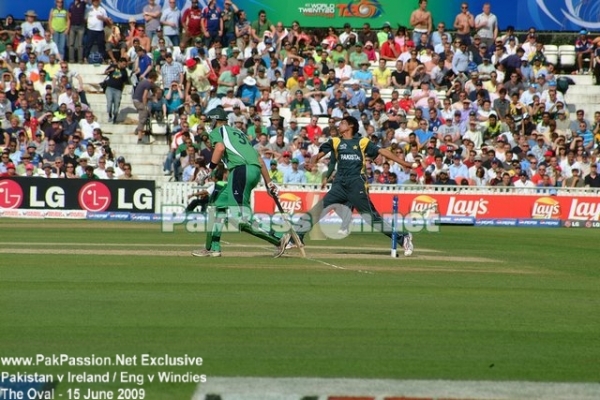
pixel 551 53
pixel 566 53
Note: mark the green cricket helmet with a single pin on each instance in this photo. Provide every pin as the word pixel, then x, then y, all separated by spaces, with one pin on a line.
pixel 217 113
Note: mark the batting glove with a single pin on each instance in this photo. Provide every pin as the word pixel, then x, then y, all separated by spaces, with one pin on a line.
pixel 273 189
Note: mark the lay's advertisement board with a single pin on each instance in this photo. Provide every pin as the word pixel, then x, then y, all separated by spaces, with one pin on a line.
pixel 545 15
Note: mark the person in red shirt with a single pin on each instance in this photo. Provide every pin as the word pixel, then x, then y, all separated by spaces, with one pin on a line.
pixel 390 50
pixel 10 171
pixel 384 177
pixel 310 68
pixel 191 20
pixel 395 96
pixel 313 130
pixel 406 102
pixel 539 175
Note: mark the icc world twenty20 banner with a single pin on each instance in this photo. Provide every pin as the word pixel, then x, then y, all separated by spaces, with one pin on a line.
pixel 545 15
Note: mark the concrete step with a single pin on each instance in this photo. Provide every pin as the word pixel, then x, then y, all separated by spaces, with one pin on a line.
pixel 130 139
pixel 583 89
pixel 582 98
pixel 588 108
pixel 147 151
pixel 101 98
pixel 88 69
pixel 115 130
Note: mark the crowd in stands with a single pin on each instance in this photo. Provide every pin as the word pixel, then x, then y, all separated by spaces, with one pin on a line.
pixel 47 128
pixel 471 104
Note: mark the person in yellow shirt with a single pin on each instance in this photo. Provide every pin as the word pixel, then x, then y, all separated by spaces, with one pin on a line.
pixel 292 81
pixel 275 174
pixel 52 67
pixel 58 24
pixel 382 76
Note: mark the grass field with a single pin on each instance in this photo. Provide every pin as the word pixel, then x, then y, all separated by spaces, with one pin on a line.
pixel 471 304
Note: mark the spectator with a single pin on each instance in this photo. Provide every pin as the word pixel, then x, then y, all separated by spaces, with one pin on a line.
pixel 584 47
pixel 444 179
pixel 592 180
pixel 141 97
pixel 197 77
pixel 58 23
pixel 96 18
pixel 174 97
pixel 127 172
pixel 458 169
pixel 70 171
pixel 110 173
pixel 117 78
pixel 248 92
pixel 294 175
pixel 260 26
pixel 27 27
pixel 89 173
pixel 171 71
pixel 191 23
pixel 76 30
pixel 523 181
pixel 486 24
pixel 463 23
pixel 212 23
pixel 170 19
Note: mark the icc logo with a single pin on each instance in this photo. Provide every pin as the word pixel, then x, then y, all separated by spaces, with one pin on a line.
pixel 11 194
pixel 583 14
pixel 94 197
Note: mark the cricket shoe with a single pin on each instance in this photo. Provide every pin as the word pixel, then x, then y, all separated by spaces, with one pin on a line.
pixel 343 232
pixel 206 253
pixel 283 242
pixel 408 245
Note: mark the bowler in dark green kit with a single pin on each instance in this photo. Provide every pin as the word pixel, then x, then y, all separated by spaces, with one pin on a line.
pixel 350 183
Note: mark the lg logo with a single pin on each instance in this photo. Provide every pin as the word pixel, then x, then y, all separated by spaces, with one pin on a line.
pixel 11 194
pixel 94 197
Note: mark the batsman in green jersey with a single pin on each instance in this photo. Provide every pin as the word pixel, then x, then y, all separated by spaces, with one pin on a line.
pixel 231 146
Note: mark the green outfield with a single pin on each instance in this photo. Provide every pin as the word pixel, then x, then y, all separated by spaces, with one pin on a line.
pixel 471 304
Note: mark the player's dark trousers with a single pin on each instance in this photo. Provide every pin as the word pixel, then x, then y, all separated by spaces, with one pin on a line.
pixel 354 191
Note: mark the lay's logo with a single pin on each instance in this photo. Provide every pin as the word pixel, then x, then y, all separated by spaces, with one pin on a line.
pixel 290 202
pixel 424 205
pixel 546 208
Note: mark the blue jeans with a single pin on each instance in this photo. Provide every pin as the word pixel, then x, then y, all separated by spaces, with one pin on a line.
pixel 94 38
pixel 174 39
pixel 60 38
pixel 113 101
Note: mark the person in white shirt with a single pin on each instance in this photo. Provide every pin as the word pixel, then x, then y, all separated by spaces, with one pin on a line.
pixel 478 164
pixel 474 134
pixel 458 169
pixel 47 43
pixel 100 170
pixel 318 102
pixel 342 71
pixel 30 24
pixel 527 95
pixel 523 181
pixel 486 24
pixel 401 134
pixel 346 36
pixel 96 18
pixel 46 171
pixel 280 94
pixel 87 125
